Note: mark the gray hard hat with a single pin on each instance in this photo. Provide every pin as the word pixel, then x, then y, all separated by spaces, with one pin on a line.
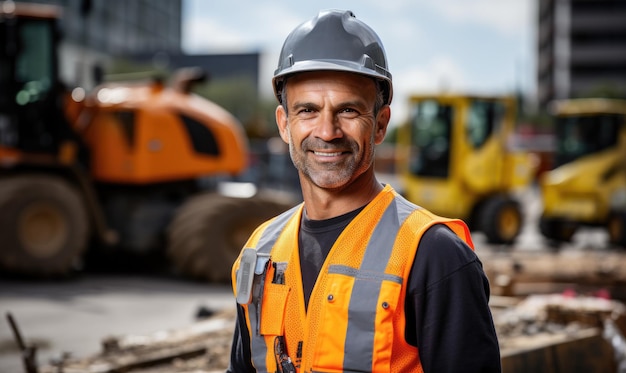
pixel 333 40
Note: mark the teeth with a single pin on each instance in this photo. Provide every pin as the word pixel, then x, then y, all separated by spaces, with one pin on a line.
pixel 328 154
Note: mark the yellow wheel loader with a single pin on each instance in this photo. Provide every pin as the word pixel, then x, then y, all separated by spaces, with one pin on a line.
pixel 587 186
pixel 454 160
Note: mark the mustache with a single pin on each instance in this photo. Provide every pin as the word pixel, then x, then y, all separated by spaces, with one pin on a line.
pixel 310 144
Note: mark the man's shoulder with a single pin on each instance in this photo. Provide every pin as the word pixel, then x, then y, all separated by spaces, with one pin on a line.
pixel 439 244
pixel 441 239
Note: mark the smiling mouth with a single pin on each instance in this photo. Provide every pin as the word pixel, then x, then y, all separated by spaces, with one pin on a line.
pixel 327 154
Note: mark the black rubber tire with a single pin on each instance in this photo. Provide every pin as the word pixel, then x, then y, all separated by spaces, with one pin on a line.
pixel 617 228
pixel 556 230
pixel 209 230
pixel 501 220
pixel 45 225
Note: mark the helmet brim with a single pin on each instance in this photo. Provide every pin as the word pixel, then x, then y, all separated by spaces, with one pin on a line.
pixel 332 65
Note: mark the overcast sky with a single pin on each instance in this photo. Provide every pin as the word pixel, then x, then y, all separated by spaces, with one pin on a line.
pixel 476 46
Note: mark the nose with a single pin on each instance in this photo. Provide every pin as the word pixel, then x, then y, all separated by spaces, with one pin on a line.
pixel 328 127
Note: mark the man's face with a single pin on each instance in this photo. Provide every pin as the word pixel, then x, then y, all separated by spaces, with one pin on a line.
pixel 330 126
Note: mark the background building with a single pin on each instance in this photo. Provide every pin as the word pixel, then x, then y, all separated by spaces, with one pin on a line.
pixel 581 49
pixel 95 33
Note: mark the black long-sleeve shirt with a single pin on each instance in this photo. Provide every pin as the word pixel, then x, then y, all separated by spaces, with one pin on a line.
pixel 447 313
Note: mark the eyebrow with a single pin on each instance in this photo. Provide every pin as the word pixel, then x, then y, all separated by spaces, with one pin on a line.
pixel 304 105
pixel 361 104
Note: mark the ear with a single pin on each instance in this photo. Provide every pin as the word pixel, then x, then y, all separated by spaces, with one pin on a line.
pixel 281 122
pixel 382 121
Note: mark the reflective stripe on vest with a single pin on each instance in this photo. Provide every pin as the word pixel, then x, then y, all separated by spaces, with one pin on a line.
pixel 369 278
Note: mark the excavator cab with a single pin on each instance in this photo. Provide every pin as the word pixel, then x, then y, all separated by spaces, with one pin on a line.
pixel 28 76
pixel 587 185
pixel 456 162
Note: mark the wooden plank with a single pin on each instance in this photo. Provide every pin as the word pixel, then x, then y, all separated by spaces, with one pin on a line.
pixel 583 351
pixel 525 273
pixel 161 351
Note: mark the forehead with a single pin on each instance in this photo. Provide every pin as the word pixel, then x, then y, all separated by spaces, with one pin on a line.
pixel 331 80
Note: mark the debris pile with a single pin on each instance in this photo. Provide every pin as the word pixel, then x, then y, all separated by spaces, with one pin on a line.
pixel 562 331
pixel 558 312
pixel 203 347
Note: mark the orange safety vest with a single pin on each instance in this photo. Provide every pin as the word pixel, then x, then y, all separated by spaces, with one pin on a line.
pixel 355 320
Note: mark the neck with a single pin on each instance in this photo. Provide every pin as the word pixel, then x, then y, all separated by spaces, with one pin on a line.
pixel 323 203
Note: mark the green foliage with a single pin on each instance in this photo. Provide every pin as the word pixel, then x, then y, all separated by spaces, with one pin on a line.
pixel 123 69
pixel 236 95
pixel 239 97
pixel 606 90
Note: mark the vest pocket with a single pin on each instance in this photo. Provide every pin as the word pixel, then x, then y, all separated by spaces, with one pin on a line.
pixel 331 330
pixel 273 309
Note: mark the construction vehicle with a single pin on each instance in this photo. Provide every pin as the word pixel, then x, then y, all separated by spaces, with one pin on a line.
pixel 455 160
pixel 587 185
pixel 137 166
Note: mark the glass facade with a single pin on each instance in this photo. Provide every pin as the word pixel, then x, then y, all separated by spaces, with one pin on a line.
pixel 121 27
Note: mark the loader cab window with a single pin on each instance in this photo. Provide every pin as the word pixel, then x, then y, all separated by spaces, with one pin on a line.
pixel 34 61
pixel 5 68
pixel 582 135
pixel 29 66
pixel 7 127
pixel 483 120
pixel 431 124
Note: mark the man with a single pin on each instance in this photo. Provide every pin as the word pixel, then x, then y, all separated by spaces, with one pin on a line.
pixel 356 278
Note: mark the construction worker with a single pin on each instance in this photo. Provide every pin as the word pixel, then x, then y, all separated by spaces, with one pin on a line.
pixel 355 278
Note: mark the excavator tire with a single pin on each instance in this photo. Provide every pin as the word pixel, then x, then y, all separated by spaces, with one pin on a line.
pixel 556 231
pixel 44 225
pixel 617 228
pixel 209 230
pixel 501 220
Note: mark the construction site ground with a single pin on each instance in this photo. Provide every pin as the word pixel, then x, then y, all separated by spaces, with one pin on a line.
pixel 555 310
pixel 551 308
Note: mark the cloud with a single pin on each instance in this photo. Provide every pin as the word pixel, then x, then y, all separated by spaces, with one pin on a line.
pixel 507 16
pixel 439 74
pixel 402 30
pixel 200 36
pixel 207 29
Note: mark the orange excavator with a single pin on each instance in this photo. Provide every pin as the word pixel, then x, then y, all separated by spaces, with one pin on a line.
pixel 134 166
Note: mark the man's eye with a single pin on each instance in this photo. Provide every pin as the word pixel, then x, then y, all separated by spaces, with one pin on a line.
pixel 349 112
